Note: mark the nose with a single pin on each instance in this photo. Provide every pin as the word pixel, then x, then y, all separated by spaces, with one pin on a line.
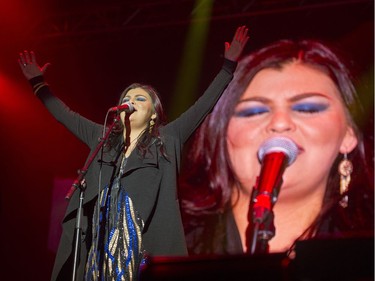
pixel 280 122
pixel 132 100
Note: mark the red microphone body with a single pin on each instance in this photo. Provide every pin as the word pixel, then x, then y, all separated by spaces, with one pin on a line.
pixel 127 107
pixel 275 155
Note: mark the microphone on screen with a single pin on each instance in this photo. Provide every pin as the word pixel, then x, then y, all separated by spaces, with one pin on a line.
pixel 275 155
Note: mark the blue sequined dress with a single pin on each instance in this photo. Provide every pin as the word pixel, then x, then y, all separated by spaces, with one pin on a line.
pixel 116 252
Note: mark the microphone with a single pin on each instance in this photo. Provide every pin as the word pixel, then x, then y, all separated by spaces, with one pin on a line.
pixel 275 155
pixel 127 107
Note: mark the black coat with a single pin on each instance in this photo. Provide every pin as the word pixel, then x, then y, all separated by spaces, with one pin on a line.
pixel 151 182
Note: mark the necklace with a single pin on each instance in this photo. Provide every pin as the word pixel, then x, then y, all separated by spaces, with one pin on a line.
pixel 123 164
pixel 125 154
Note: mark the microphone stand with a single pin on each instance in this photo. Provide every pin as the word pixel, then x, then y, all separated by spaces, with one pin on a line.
pixel 80 183
pixel 262 219
pixel 275 155
pixel 262 232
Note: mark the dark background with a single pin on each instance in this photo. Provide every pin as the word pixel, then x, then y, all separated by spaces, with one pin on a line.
pixel 96 49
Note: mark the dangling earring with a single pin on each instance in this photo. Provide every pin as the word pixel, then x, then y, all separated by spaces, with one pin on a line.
pixel 345 169
pixel 152 123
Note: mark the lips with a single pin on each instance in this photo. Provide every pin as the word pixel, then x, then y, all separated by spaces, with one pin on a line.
pixel 300 149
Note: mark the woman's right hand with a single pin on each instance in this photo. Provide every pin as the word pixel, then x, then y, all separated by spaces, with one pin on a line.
pixel 29 66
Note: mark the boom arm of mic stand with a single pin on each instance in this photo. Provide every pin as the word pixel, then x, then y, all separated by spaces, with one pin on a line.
pixel 77 184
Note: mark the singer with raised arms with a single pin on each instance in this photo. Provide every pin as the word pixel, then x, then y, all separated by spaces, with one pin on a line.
pixel 130 208
pixel 284 143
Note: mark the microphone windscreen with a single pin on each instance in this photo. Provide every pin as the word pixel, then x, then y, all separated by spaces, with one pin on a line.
pixel 279 144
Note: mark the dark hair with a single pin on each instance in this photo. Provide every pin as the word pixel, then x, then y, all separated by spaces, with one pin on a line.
pixel 207 187
pixel 151 134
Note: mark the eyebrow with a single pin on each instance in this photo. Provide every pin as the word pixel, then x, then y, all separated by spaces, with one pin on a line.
pixel 136 95
pixel 307 95
pixel 261 99
pixel 292 99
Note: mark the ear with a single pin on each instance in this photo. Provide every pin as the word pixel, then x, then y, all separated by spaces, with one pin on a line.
pixel 349 142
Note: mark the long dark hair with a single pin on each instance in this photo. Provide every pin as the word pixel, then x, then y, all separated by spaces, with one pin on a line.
pixel 151 133
pixel 206 188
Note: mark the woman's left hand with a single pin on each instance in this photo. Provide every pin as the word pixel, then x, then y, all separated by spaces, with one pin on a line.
pixel 233 50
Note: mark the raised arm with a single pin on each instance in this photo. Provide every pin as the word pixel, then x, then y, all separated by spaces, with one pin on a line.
pixel 189 121
pixel 86 130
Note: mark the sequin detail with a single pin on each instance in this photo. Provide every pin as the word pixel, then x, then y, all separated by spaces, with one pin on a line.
pixel 116 252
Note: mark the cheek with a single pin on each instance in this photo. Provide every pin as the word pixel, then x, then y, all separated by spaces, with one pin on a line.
pixel 242 148
pixel 240 134
pixel 321 140
pixel 329 131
